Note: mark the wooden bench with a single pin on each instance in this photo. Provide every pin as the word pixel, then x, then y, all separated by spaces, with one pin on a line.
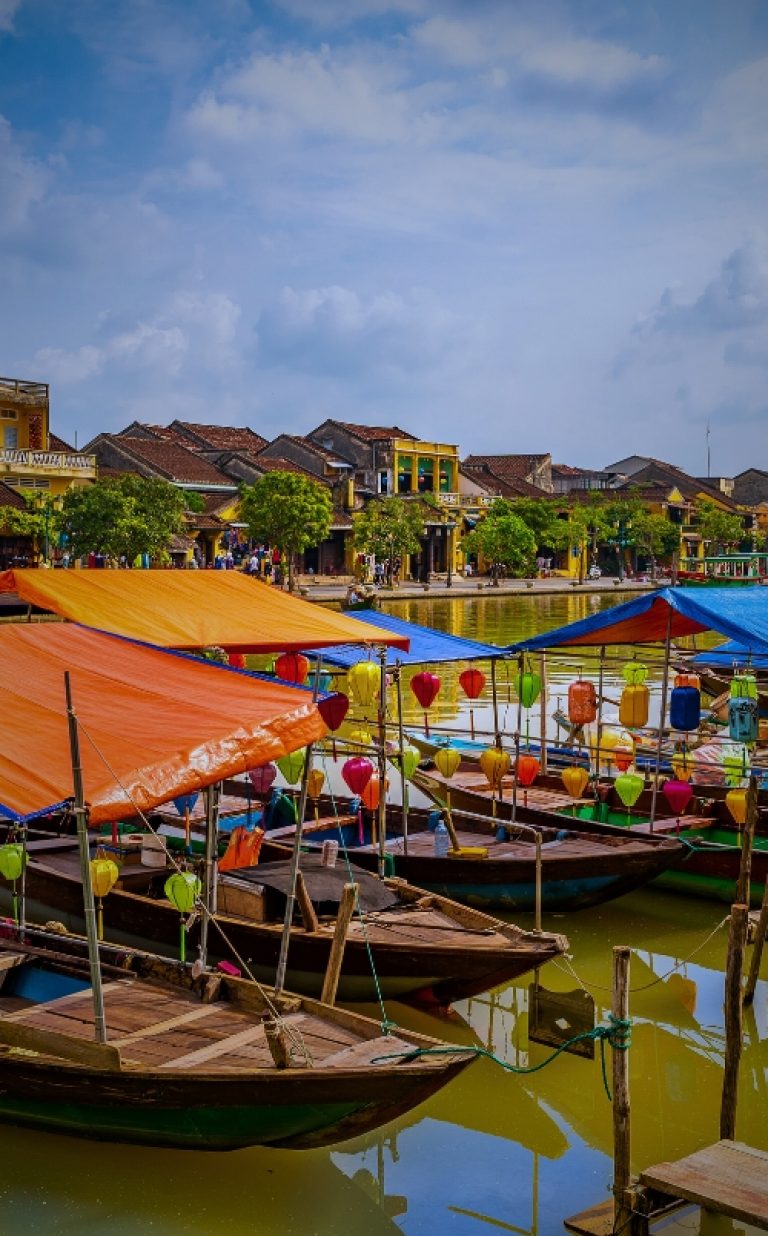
pixel 728 1177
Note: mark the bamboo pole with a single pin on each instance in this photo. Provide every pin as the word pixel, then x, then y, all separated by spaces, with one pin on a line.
pixel 401 742
pixel 520 669
pixel 381 754
pixel 621 1123
pixel 757 952
pixel 212 800
pixel 660 742
pixel 89 908
pixel 543 713
pixel 495 700
pixel 600 701
pixel 346 910
pixel 282 961
pixel 745 866
pixel 733 1020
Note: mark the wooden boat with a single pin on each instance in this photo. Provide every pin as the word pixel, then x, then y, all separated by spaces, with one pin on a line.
pixel 192 1062
pixel 558 756
pixel 426 949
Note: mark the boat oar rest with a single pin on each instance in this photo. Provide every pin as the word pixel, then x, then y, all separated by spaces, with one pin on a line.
pixel 51 1043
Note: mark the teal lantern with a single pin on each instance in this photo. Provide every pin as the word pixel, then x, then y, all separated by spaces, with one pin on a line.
pixel 182 890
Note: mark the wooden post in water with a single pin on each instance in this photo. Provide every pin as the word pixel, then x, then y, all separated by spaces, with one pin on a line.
pixel 401 744
pixel 733 1027
pixel 757 952
pixel 743 897
pixel 621 1126
pixel 381 758
pixel 662 715
pixel 543 754
pixel 346 910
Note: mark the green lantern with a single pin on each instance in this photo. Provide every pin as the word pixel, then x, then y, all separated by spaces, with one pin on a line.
pixel 634 673
pixel 743 686
pixel 528 688
pixel 292 766
pixel 182 890
pixel 410 761
pixel 629 787
pixel 13 860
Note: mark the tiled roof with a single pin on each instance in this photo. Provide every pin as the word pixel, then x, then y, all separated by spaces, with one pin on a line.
pixel 222 437
pixel 175 463
pixel 376 433
pixel 511 467
pixel 503 484
pixel 213 503
pixel 9 497
pixel 164 433
pixel 55 443
pixel 656 472
pixel 340 519
pixel 278 464
pixel 309 444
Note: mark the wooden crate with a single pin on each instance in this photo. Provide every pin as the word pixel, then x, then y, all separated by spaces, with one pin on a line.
pixel 241 899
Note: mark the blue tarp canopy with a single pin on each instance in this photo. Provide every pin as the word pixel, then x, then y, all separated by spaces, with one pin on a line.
pixel 427 645
pixel 739 613
pixel 727 656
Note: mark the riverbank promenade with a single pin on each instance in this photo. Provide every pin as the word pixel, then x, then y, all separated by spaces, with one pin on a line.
pixel 327 589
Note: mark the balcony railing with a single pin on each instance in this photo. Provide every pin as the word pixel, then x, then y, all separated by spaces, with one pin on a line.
pixel 58 461
pixel 465 499
pixel 28 390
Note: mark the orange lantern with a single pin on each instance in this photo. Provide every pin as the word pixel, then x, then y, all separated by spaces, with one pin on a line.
pixel 682 766
pixel 526 771
pixel 292 667
pixel 371 795
pixel 582 702
pixel 736 802
pixel 633 706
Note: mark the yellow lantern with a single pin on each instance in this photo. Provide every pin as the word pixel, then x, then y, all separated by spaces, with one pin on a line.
pixel 575 780
pixel 495 764
pixel 736 802
pixel 364 681
pixel 315 783
pixel 682 766
pixel 292 766
pixel 361 736
pixel 447 760
pixel 104 873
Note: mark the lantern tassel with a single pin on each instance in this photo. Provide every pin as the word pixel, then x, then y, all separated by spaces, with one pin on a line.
pixel 187 829
pixel 100 919
pixel 472 724
pixel 182 941
pixel 426 724
pixel 15 904
pixel 114 832
pixel 360 834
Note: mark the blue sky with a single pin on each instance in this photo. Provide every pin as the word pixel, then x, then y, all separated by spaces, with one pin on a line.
pixel 516 226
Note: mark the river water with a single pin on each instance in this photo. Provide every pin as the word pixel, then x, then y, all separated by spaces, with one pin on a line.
pixel 495 1151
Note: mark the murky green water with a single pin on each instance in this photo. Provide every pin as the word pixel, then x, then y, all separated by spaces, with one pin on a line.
pixel 494 1151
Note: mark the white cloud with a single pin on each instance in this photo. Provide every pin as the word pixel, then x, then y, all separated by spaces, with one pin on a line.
pixel 23 182
pixel 8 10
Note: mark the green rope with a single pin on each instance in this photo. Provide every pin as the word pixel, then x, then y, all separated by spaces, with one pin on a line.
pixel 618 1035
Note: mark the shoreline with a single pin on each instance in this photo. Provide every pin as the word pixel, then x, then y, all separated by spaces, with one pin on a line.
pixel 331 594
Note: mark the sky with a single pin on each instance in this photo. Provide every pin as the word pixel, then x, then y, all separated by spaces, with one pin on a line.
pixel 519 227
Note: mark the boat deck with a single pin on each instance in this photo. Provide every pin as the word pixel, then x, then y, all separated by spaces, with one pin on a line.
pixel 160 1028
pixel 422 844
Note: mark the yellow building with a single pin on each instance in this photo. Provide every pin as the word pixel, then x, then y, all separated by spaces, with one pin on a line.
pixel 31 457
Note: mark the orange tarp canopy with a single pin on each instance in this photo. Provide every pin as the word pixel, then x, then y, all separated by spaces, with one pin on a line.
pixel 158 724
pixel 191 609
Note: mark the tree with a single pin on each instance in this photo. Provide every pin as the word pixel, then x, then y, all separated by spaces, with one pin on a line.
pixel 542 517
pixel 123 517
pixel 39 521
pixel 656 536
pixel 288 511
pixel 589 525
pixel 504 540
pixel 389 528
pixel 722 531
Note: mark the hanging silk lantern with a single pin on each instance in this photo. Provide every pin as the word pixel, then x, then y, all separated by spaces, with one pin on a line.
pixel 736 802
pixel 104 873
pixel 735 765
pixel 629 787
pixel 612 743
pixel 495 764
pixel 575 780
pixel 447 760
pixel 236 660
pixel 684 706
pixel 634 673
pixel 743 686
pixel 688 680
pixel 12 860
pixel 582 702
pixel 315 783
pixel 527 770
pixel 410 759
pixel 292 667
pixel 371 794
pixel 425 687
pixel 361 736
pixel 682 766
pixel 743 718
pixel 185 803
pixel 262 779
pixel 678 794
pixel 633 705
pixel 292 765
pixel 472 681
pixel 364 681
pixel 528 688
pixel 333 709
pixel 623 757
pixel 182 890
pixel 357 772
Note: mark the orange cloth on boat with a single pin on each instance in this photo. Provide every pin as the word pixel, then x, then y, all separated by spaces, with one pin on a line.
pixel 192 609
pixel 243 848
pixel 153 724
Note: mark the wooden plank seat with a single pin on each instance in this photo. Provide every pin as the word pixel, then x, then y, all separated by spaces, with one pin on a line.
pixel 727 1177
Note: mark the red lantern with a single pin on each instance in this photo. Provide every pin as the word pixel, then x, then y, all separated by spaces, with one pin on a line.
pixel 292 667
pixel 262 779
pixel 528 769
pixel 678 794
pixel 236 660
pixel 357 772
pixel 582 702
pixel 425 687
pixel 333 709
pixel 622 758
pixel 472 682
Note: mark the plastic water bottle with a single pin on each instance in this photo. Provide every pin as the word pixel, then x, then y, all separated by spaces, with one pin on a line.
pixel 442 840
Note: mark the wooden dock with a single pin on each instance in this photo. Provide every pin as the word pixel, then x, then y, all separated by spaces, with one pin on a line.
pixel 728 1177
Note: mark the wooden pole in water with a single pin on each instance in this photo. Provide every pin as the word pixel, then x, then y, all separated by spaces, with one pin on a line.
pixel 660 742
pixel 210 883
pixel 346 910
pixel 757 952
pixel 733 1027
pixel 621 1125
pixel 518 725
pixel 543 713
pixel 495 699
pixel 401 744
pixel 745 867
pixel 381 757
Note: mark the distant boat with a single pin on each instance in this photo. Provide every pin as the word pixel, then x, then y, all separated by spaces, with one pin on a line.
pixel 724 570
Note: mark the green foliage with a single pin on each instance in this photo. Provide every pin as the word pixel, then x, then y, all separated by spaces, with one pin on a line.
pixel 40 520
pixel 389 528
pixel 541 515
pixel 194 502
pixel 721 531
pixel 656 536
pixel 504 540
pixel 288 511
pixel 123 517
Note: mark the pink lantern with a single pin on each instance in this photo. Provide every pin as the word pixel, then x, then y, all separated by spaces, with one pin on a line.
pixel 425 687
pixel 292 667
pixel 262 779
pixel 678 794
pixel 357 772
